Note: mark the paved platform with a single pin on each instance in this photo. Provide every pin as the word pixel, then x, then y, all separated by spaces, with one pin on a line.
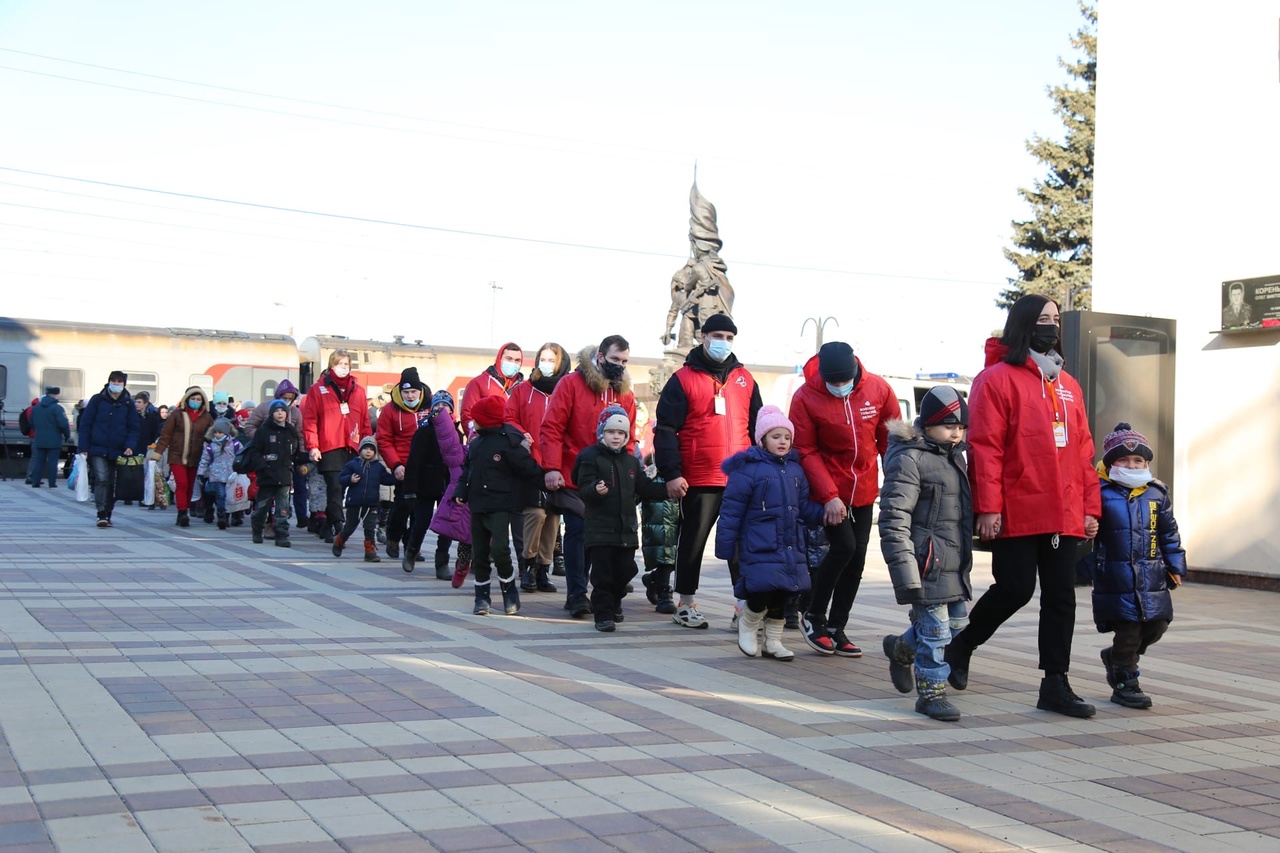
pixel 185 690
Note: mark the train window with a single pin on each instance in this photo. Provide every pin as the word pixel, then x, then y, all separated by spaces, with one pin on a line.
pixel 268 390
pixel 205 381
pixel 70 380
pixel 149 382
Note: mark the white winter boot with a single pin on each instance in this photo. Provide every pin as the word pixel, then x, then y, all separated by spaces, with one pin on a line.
pixel 749 631
pixel 773 647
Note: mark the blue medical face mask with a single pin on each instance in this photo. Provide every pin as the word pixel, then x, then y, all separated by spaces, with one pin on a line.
pixel 840 390
pixel 114 388
pixel 194 404
pixel 719 350
pixel 219 437
pixel 510 368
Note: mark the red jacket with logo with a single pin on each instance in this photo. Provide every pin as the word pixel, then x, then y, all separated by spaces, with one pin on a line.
pixel 325 427
pixel 707 439
pixel 840 438
pixel 526 408
pixel 396 426
pixel 490 383
pixel 573 413
pixel 1015 465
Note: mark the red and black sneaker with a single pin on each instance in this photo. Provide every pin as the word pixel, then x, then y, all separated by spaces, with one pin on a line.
pixel 843 646
pixel 814 630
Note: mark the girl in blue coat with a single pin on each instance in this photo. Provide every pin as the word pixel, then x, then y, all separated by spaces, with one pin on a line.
pixel 1139 557
pixel 762 516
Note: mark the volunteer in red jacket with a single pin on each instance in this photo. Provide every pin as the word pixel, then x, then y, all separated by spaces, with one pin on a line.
pixel 706 413
pixel 1035 493
pixel 841 416
pixel 568 428
pixel 398 421
pixel 335 416
pixel 498 379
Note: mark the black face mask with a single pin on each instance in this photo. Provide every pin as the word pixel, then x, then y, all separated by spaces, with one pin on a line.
pixel 1044 337
pixel 612 372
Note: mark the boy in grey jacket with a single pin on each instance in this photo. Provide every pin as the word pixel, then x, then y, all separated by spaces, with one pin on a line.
pixel 926 536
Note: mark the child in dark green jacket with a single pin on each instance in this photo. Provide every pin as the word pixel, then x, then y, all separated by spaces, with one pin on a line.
pixel 610 482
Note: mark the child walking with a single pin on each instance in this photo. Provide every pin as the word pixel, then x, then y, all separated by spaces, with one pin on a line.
pixel 499 477
pixel 363 478
pixel 1137 561
pixel 610 482
pixel 275 450
pixel 926 536
pixel 216 463
pixel 762 517
pixel 659 535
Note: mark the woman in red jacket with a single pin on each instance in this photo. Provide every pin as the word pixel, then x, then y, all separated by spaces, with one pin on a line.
pixel 335 416
pixel 1035 493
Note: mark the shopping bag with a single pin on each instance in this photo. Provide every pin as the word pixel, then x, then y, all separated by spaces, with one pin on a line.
pixel 149 482
pixel 164 495
pixel 80 477
pixel 238 493
pixel 130 471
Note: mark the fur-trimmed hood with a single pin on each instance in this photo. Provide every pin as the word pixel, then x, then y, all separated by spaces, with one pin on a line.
pixel 594 378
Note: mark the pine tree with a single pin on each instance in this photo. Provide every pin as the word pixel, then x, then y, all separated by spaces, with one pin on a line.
pixel 1054 253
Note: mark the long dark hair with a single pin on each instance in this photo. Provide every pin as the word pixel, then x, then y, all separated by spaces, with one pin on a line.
pixel 1023 316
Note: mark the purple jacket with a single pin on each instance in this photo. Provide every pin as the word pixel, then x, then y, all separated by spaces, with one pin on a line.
pixel 451 519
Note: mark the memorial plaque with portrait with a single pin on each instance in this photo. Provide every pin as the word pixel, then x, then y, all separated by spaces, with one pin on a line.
pixel 1251 303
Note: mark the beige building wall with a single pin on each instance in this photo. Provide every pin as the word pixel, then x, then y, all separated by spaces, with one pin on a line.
pixel 1187 195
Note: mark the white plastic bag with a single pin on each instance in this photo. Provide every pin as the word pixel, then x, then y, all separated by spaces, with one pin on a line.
pixel 238 493
pixel 80 476
pixel 149 483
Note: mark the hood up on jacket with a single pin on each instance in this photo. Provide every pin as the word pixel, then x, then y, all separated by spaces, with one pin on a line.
pixel 496 369
pixel 287 387
pixel 594 377
pixel 546 384
pixel 186 395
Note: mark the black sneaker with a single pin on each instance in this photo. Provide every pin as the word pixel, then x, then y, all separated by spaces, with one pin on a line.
pixel 393 549
pixel 619 616
pixel 103 523
pixel 843 646
pixel 1129 694
pixel 606 626
pixel 1056 695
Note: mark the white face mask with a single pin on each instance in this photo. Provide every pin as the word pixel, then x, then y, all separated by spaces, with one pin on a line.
pixel 341 370
pixel 547 368
pixel 1130 478
pixel 840 390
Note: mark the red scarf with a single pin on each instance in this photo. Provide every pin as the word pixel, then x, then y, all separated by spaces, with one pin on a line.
pixel 343 386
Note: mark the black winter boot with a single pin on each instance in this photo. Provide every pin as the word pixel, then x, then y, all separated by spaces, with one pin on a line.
pixel 184 520
pixel 208 512
pixel 957 656
pixel 482 600
pixel 528 578
pixel 1056 695
pixel 1128 692
pixel 407 563
pixel 222 521
pixel 557 557
pixel 393 546
pixel 257 535
pixel 541 580
pixel 900 660
pixel 331 530
pixel 931 700
pixel 510 598
pixel 237 518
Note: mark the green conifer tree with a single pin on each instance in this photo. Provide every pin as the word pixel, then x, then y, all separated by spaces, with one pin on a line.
pixel 1054 249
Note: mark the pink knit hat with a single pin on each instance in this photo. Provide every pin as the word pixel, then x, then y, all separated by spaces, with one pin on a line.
pixel 769 418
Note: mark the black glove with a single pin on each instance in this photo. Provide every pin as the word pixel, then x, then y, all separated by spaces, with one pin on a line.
pixel 908 595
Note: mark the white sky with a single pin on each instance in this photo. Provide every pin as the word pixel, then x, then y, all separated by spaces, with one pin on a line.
pixel 882 142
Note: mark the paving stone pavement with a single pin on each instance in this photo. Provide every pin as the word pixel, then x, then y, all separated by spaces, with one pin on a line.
pixel 185 690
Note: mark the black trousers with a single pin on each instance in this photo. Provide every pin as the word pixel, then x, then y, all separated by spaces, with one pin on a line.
pixel 837 578
pixel 420 514
pixel 699 509
pixel 612 568
pixel 773 603
pixel 368 515
pixel 1015 564
pixel 489 541
pixel 1132 639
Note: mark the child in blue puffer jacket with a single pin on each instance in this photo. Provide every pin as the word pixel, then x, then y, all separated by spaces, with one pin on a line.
pixel 762 520
pixel 362 477
pixel 1138 559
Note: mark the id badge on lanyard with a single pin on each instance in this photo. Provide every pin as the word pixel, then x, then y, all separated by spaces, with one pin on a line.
pixel 720 405
pixel 344 408
pixel 1060 433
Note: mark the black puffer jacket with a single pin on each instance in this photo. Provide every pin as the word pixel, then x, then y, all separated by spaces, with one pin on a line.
pixel 276 448
pixel 926 518
pixel 499 474
pixel 611 517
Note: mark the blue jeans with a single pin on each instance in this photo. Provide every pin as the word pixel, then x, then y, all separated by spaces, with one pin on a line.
pixel 932 627
pixel 44 463
pixel 219 492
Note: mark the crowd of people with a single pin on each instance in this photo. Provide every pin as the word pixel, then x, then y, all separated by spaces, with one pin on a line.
pixel 547 465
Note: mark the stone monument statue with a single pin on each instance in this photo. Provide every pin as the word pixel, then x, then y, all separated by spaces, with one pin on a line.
pixel 700 288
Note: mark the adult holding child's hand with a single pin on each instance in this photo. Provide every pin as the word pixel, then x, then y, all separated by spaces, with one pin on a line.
pixel 334 420
pixel 1035 493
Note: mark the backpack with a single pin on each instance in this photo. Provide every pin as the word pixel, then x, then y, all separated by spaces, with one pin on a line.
pixel 24 421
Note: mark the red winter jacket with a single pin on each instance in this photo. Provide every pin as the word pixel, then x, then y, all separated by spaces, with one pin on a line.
pixel 396 425
pixel 490 383
pixel 707 439
pixel 1015 466
pixel 526 408
pixel 324 427
pixel 573 414
pixel 840 438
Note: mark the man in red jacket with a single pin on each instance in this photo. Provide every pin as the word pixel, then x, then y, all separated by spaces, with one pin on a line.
pixel 706 413
pixel 569 427
pixel 841 415
pixel 398 421
pixel 498 379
